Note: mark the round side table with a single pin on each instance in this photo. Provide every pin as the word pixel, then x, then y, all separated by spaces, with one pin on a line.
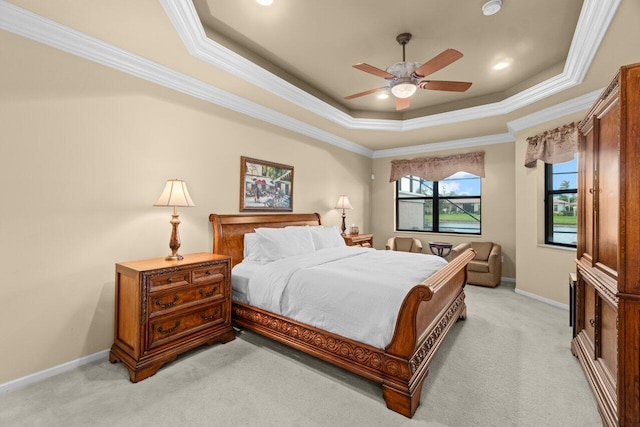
pixel 442 249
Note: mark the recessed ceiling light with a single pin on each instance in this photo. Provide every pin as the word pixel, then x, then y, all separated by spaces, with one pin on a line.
pixel 383 95
pixel 501 65
pixel 491 7
pixel 264 2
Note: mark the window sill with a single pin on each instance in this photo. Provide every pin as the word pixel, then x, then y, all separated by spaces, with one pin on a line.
pixel 479 236
pixel 562 248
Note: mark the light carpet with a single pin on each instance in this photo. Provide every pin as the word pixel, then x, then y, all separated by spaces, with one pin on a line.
pixel 508 364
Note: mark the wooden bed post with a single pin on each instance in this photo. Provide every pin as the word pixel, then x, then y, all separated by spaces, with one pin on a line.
pixel 419 333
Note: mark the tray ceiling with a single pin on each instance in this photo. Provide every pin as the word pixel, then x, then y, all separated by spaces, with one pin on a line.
pixel 313 45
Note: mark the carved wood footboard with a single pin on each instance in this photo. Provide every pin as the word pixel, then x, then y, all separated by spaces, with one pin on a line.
pixel 426 315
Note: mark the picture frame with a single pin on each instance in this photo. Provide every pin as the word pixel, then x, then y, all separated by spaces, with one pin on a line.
pixel 265 186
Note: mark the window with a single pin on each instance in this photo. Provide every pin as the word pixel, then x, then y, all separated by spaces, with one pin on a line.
pixel 561 207
pixel 448 206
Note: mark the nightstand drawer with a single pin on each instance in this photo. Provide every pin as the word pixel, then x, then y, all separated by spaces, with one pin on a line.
pixel 167 328
pixel 160 302
pixel 176 278
pixel 208 274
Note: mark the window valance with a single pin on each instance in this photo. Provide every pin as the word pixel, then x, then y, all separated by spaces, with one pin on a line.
pixel 553 146
pixel 438 168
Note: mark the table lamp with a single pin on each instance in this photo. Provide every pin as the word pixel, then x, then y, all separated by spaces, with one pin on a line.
pixel 175 194
pixel 343 203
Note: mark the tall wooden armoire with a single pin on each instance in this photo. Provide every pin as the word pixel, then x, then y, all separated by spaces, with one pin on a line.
pixel 608 264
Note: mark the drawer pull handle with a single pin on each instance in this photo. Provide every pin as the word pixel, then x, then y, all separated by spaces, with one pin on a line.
pixel 208 294
pixel 208 273
pixel 170 280
pixel 592 323
pixel 168 304
pixel 213 316
pixel 168 331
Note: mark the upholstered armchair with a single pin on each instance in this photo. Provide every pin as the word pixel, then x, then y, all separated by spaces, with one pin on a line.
pixel 486 268
pixel 404 244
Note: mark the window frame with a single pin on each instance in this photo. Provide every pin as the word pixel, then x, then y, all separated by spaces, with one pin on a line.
pixel 549 194
pixel 435 203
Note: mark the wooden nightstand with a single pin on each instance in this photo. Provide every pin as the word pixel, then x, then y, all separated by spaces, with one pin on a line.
pixel 164 308
pixel 365 240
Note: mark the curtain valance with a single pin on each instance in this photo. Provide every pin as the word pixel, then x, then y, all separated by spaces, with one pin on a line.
pixel 553 146
pixel 438 168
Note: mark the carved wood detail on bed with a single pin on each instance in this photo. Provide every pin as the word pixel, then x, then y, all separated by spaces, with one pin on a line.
pixel 232 227
pixel 427 314
pixel 369 358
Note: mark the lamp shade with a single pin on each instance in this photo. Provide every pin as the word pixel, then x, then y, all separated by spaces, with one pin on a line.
pixel 403 89
pixel 343 203
pixel 175 193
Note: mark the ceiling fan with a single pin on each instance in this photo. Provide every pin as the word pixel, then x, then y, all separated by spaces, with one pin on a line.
pixel 405 77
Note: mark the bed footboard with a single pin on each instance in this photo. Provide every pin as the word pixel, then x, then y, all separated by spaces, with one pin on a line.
pixel 427 314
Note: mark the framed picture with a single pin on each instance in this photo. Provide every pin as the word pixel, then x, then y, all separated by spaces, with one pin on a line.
pixel 265 186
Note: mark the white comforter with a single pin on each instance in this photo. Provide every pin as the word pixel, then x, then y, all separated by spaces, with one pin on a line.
pixel 351 291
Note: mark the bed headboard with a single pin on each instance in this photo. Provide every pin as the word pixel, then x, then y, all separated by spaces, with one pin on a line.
pixel 229 230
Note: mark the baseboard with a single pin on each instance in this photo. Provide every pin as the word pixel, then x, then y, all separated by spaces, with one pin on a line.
pixel 542 299
pixel 507 280
pixel 50 372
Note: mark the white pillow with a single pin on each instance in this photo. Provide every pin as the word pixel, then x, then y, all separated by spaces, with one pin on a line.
pixel 278 243
pixel 253 249
pixel 328 237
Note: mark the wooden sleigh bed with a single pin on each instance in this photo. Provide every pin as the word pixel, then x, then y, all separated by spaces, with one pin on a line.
pixel 427 314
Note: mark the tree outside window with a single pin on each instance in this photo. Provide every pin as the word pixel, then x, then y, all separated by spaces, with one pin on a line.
pixel 451 205
pixel 561 203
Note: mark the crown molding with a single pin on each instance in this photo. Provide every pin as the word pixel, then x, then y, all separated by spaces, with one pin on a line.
pixel 500 138
pixel 575 105
pixel 594 20
pixel 35 27
pixel 563 109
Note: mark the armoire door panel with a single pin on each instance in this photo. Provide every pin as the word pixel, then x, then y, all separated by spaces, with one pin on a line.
pixel 586 205
pixel 590 312
pixel 608 192
pixel 608 331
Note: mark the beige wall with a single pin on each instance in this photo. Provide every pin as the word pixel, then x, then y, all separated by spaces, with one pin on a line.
pixel 542 270
pixel 85 152
pixel 498 206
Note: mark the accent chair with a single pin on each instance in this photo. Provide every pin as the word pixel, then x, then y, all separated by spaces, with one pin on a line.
pixel 404 244
pixel 486 268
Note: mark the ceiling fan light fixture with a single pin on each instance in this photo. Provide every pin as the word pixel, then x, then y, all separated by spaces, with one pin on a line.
pixel 264 2
pixel 491 7
pixel 403 89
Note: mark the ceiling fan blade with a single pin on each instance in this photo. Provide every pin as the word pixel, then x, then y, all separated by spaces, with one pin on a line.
pixel 402 103
pixel 438 62
pixel 366 92
pixel 373 70
pixel 444 85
